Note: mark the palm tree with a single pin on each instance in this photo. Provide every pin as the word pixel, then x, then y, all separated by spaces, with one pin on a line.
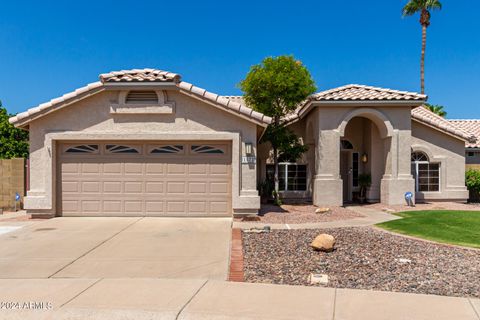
pixel 438 109
pixel 424 7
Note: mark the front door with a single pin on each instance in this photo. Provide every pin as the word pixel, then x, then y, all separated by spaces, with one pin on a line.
pixel 345 173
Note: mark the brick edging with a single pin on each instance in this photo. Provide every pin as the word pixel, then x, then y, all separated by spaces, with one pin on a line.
pixel 236 257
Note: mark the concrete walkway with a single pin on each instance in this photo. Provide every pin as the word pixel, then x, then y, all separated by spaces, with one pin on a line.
pixel 211 299
pixel 370 217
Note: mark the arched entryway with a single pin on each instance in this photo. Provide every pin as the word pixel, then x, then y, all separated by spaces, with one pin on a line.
pixel 365 143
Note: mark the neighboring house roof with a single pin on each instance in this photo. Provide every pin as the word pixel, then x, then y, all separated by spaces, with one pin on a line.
pixel 137 76
pixel 356 92
pixel 471 126
pixel 429 118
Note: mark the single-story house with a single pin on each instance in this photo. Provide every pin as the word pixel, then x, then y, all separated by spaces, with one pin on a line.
pixel 144 142
pixel 472 150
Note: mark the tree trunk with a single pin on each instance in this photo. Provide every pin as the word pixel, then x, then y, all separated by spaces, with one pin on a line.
pixel 275 164
pixel 422 60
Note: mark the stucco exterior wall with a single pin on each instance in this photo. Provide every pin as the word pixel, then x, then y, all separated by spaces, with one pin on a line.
pixel 90 119
pixel 450 153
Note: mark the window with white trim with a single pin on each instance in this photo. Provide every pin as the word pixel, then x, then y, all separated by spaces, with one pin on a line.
pixel 83 148
pixel 291 176
pixel 425 173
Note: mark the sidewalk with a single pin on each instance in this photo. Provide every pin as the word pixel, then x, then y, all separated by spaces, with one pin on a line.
pixel 371 217
pixel 200 299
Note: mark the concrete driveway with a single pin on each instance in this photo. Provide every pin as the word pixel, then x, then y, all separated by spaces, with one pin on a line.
pixel 118 248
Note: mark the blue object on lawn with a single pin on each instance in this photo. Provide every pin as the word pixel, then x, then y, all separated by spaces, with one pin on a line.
pixel 408 195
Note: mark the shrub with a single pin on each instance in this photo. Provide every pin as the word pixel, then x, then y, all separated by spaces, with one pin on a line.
pixel 472 180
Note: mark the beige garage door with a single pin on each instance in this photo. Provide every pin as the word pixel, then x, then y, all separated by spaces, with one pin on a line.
pixel 144 179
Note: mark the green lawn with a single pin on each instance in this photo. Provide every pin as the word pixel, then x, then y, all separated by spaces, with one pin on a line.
pixel 455 227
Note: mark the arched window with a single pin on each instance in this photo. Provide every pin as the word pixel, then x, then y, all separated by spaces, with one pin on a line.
pixel 346 145
pixel 425 173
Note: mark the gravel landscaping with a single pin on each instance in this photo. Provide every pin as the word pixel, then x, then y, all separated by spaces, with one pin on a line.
pixel 427 206
pixel 302 213
pixel 365 258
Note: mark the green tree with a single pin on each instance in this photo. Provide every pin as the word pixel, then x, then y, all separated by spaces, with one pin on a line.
pixel 275 88
pixel 438 109
pixel 423 7
pixel 13 141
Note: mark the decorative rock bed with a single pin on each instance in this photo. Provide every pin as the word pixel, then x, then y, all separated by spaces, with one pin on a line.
pixel 295 214
pixel 364 258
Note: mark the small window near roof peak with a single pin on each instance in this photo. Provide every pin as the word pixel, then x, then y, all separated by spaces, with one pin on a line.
pixel 141 97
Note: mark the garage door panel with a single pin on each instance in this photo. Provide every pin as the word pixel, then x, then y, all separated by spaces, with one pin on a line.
pixel 133 206
pixel 112 168
pixel 176 169
pixel 197 187
pixel 176 187
pixel 133 168
pixel 112 187
pixel 197 207
pixel 112 206
pixel 71 186
pixel 145 184
pixel 91 186
pixel 131 187
pixel 219 188
pixel 155 168
pixel 154 206
pixel 90 168
pixel 176 207
pixel 154 187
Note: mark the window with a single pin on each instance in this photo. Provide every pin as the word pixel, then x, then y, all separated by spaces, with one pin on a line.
pixel 426 174
pixel 471 154
pixel 168 149
pixel 355 158
pixel 346 145
pixel 291 176
pixel 206 149
pixel 114 148
pixel 142 97
pixel 84 148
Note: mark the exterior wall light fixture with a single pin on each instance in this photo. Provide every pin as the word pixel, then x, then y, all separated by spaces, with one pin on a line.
pixel 248 149
pixel 365 158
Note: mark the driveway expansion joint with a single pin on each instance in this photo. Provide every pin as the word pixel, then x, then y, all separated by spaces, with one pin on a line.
pixel 78 294
pixel 190 300
pixel 95 247
pixel 477 313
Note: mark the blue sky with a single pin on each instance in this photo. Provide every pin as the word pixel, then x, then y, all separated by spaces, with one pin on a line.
pixel 48 48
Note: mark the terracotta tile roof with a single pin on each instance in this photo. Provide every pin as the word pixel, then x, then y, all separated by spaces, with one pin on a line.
pixel 471 126
pixel 228 104
pixel 89 89
pixel 425 116
pixel 356 92
pixel 140 75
